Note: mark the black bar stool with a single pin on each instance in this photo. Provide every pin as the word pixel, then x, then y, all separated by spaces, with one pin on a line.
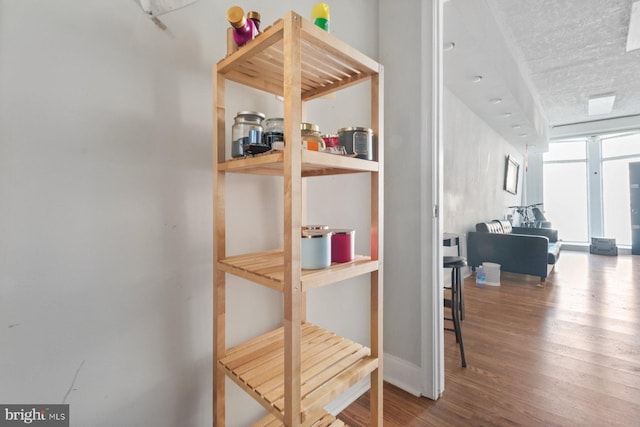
pixel 455 303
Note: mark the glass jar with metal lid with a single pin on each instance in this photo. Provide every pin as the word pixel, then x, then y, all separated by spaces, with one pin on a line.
pixel 357 141
pixel 246 134
pixel 311 139
pixel 274 133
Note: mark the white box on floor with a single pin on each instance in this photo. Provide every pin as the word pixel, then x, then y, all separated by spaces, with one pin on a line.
pixel 492 271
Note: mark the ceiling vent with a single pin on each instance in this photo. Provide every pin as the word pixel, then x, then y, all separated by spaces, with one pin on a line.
pixel 601 104
pixel 633 37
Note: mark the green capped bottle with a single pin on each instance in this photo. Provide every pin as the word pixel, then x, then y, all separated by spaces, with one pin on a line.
pixel 320 15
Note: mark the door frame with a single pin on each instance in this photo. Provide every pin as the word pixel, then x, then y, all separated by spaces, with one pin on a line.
pixel 432 337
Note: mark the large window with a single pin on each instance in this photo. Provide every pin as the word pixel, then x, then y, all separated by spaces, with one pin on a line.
pixel 565 189
pixel 586 186
pixel 617 152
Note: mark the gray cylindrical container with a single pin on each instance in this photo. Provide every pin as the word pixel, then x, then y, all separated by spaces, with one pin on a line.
pixel 357 141
pixel 315 248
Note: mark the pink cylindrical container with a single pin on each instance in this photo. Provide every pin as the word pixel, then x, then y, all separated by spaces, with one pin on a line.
pixel 343 244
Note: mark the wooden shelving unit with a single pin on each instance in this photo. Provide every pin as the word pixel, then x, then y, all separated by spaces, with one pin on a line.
pixel 297 369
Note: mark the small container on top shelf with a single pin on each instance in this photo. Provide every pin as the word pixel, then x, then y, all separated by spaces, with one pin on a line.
pixel 243 29
pixel 320 15
pixel 255 17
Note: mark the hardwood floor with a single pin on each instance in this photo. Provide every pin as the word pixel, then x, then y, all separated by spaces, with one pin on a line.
pixel 564 355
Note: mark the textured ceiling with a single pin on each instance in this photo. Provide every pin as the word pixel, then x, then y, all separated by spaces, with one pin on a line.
pixel 543 58
pixel 573 49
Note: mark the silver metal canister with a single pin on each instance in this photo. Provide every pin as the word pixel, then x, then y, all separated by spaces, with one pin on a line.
pixel 357 141
pixel 315 227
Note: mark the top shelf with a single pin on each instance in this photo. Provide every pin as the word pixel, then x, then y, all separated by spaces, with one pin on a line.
pixel 329 64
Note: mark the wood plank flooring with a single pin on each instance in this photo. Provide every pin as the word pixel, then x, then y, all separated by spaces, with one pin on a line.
pixel 564 355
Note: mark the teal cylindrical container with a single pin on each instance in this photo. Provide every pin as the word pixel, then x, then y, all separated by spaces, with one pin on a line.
pixel 315 249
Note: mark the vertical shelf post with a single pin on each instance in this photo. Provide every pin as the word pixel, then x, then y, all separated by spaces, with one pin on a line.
pixel 292 220
pixel 219 250
pixel 377 245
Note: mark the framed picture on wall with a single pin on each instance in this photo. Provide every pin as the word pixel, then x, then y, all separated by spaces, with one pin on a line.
pixel 511 170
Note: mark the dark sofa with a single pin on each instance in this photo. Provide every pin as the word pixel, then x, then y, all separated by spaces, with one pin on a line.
pixel 532 251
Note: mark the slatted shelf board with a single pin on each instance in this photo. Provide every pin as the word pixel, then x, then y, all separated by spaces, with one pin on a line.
pixel 267 268
pixel 327 420
pixel 330 365
pixel 328 63
pixel 313 164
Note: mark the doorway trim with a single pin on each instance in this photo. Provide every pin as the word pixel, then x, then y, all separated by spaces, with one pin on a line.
pixel 432 345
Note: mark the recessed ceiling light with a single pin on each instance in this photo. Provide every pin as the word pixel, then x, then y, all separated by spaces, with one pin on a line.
pixel 476 79
pixel 505 115
pixel 448 46
pixel 495 100
pixel 633 36
pixel 516 126
pixel 601 104
pixel 524 135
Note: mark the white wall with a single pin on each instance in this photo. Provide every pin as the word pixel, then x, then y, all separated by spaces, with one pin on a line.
pixel 106 207
pixel 474 160
pixel 399 52
pixel 405 43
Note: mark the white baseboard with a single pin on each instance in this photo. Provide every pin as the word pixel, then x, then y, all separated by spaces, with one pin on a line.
pixel 403 374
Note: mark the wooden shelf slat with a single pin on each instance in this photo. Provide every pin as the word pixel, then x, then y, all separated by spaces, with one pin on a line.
pixel 330 364
pixel 267 268
pixel 338 385
pixel 326 420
